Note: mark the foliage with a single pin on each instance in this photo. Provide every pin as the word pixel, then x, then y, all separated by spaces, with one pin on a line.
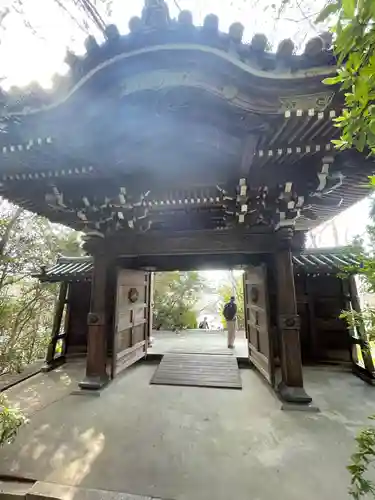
pixel 354 46
pixel 10 421
pixel 364 323
pixel 175 296
pixel 234 286
pixel 364 250
pixel 27 242
pixel 360 463
pixel 26 306
pixel 356 320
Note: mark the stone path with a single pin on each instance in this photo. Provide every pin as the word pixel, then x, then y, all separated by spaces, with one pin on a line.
pixel 189 443
pixel 196 341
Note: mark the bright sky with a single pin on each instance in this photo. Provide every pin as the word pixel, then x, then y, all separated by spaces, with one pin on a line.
pixel 36 54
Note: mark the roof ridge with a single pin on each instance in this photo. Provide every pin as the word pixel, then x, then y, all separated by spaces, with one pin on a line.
pixel 67 258
pixel 156 28
pixel 325 250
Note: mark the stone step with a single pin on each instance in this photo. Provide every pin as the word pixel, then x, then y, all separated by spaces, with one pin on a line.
pixel 14 490
pixel 50 491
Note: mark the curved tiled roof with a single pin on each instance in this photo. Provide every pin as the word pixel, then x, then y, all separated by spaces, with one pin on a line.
pixel 154 30
pixel 68 269
pixel 326 261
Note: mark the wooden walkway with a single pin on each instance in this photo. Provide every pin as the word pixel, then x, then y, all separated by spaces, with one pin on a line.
pixel 198 370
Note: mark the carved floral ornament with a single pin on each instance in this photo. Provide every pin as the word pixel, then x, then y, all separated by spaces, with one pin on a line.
pixel 133 295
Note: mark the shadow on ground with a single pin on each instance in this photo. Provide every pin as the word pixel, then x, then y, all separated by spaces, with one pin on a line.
pixel 187 443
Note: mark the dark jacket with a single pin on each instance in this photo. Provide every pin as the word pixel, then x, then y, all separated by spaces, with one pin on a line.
pixel 230 311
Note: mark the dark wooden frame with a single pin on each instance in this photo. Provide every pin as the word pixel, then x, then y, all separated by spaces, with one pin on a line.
pixel 96 364
pixel 61 305
pixel 284 329
pixel 120 360
pixel 266 365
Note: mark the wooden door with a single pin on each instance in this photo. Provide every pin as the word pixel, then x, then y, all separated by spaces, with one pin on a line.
pixel 132 318
pixel 258 332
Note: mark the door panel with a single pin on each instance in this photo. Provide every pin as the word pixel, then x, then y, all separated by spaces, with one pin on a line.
pixel 258 332
pixel 131 318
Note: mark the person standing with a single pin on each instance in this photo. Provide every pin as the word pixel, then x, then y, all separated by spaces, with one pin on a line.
pixel 203 325
pixel 230 315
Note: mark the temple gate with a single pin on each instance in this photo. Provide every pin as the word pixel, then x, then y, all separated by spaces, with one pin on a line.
pixel 176 141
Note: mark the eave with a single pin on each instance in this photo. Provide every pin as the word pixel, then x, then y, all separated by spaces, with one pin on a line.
pixel 65 139
pixel 325 261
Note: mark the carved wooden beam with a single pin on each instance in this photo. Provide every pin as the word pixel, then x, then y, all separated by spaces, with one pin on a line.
pixel 184 243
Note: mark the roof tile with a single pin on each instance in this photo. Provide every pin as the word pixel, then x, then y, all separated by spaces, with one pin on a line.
pixel 309 261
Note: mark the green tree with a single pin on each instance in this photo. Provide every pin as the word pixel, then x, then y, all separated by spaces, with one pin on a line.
pixel 26 306
pixel 363 458
pixel 175 296
pixel 27 242
pixel 354 44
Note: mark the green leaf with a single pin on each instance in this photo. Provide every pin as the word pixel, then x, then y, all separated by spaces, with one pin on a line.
pixel 355 60
pixel 329 9
pixel 339 143
pixel 372 126
pixel 361 141
pixel 349 8
pixel 332 80
pixel 340 119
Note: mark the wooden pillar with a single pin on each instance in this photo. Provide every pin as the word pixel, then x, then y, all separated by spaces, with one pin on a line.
pixel 150 298
pixel 364 343
pixel 352 332
pixel 313 334
pixel 291 386
pixel 50 357
pixel 96 372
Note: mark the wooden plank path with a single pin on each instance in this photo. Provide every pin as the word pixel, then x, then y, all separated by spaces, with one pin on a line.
pixel 198 370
